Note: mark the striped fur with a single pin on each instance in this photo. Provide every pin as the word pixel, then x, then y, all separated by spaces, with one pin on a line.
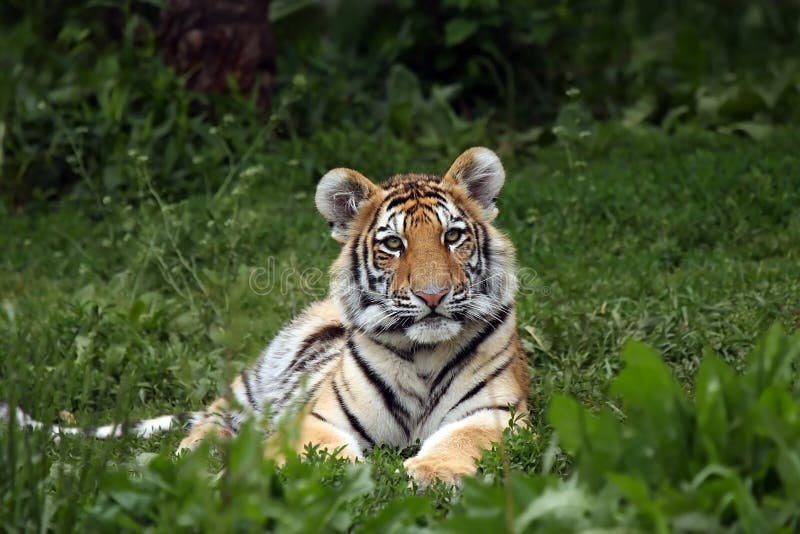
pixel 417 340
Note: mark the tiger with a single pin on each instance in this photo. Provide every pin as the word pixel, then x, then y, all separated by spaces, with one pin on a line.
pixel 416 342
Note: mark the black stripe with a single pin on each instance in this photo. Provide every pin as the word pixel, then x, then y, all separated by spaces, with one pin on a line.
pixel 358 268
pixel 461 359
pixel 318 416
pixel 402 354
pixel 365 299
pixel 313 361
pixel 440 197
pixel 309 360
pixel 429 211
pixel 411 393
pixel 446 206
pixel 354 422
pixel 469 350
pixel 324 335
pixel 327 333
pixel 485 257
pixel 354 255
pixel 459 315
pixel 298 364
pixel 247 392
pixel 399 200
pixel 414 194
pixel 485 245
pixel 390 219
pixel 388 394
pixel 372 280
pixel 227 422
pixel 310 366
pixel 429 192
pixel 233 422
pixel 184 419
pixel 373 222
pixel 482 384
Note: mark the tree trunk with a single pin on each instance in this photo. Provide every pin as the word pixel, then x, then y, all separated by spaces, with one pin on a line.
pixel 220 45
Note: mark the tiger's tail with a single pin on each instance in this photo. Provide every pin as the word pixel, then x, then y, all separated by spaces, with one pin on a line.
pixel 144 428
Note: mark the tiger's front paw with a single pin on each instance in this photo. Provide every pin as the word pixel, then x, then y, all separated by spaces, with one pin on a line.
pixel 187 445
pixel 199 434
pixel 427 469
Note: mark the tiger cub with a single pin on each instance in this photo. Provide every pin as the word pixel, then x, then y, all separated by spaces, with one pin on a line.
pixel 417 340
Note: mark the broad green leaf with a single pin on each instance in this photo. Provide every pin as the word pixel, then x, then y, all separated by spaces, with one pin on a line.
pixel 713 378
pixel 756 130
pixel 398 515
pixel 635 490
pixel 481 509
pixel 566 503
pixel 646 382
pixel 658 416
pixel 730 492
pixel 635 114
pixel 595 439
pixel 567 417
pixel 772 360
pixel 403 96
pixel 458 30
pixel 788 465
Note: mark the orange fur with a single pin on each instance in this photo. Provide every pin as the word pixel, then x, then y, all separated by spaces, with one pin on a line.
pixel 208 426
pixel 455 458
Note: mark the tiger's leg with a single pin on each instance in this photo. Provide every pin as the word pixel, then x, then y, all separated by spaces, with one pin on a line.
pixel 215 420
pixel 210 423
pixel 314 429
pixel 449 454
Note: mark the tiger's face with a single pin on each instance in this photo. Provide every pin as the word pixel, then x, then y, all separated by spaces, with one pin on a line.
pixel 421 259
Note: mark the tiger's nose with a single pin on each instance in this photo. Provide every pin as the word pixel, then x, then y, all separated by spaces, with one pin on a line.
pixel 432 298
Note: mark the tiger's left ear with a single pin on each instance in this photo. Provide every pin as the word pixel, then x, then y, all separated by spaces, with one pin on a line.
pixel 340 195
pixel 479 171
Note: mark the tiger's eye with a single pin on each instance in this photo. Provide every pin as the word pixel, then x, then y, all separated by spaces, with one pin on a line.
pixel 452 235
pixel 393 243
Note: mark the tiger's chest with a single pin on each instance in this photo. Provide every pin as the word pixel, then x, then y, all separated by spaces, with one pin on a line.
pixel 391 398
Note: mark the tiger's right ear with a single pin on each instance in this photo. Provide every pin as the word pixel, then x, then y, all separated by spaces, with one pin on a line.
pixel 340 194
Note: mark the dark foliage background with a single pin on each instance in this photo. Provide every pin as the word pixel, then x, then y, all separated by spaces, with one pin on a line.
pixel 84 83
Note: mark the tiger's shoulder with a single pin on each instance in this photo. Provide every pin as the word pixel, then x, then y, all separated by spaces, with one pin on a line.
pixel 288 370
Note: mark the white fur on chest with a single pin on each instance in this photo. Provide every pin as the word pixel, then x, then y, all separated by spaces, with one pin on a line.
pixel 417 381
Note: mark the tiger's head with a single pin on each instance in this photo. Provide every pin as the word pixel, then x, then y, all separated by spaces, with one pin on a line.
pixel 421 260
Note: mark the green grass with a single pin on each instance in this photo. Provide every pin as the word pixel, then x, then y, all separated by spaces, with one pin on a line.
pixel 132 305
